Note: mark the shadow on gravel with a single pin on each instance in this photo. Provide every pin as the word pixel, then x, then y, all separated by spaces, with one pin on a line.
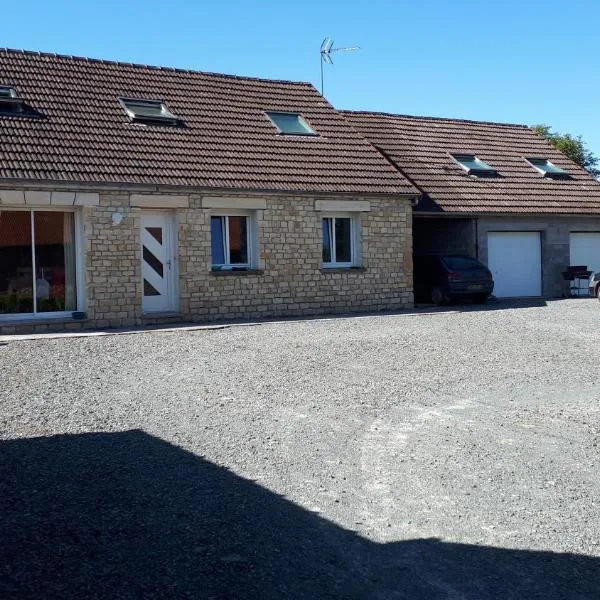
pixel 419 309
pixel 126 515
pixel 490 305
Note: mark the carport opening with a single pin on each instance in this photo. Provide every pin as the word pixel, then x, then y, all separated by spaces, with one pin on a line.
pixel 444 236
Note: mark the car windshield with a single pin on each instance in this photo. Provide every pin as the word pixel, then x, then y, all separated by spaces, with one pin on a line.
pixel 461 263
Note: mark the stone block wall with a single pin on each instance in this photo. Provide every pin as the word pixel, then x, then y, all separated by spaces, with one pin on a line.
pixel 112 262
pixel 288 280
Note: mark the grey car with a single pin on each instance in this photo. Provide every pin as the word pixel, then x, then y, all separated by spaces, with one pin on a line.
pixel 447 278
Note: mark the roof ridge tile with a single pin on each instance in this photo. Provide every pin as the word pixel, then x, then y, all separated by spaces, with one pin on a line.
pixel 430 118
pixel 119 63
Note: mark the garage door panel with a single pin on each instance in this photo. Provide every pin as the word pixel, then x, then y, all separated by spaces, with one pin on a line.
pixel 515 260
pixel 585 250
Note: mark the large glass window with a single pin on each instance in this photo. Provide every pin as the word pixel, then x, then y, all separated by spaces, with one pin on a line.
pixel 229 242
pixel 37 262
pixel 338 242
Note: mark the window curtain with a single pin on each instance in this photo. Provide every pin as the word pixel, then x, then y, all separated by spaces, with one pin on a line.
pixel 69 254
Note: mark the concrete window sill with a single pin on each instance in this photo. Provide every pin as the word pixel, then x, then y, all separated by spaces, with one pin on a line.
pixel 343 270
pixel 232 273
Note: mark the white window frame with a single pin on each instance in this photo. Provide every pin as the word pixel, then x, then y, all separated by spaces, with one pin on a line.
pixel 80 289
pixel 251 241
pixel 354 240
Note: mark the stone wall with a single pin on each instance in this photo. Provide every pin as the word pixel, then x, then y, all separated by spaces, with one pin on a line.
pixel 288 280
pixel 112 262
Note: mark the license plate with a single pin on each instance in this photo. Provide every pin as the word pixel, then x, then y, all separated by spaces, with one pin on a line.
pixel 474 287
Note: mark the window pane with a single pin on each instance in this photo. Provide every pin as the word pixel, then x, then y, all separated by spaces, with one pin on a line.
pixel 343 241
pixel 145 109
pixel 461 263
pixel 290 123
pixel 327 240
pixel 472 162
pixel 238 240
pixel 55 261
pixel 216 240
pixel 545 165
pixel 7 92
pixel 16 272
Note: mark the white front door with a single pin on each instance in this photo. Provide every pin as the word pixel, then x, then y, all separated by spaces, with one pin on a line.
pixel 585 250
pixel 158 262
pixel 515 260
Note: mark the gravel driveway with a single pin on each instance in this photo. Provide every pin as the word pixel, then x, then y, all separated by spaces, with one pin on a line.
pixel 451 454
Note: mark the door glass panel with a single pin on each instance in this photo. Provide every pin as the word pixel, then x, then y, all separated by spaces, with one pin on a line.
pixel 55 261
pixel 16 272
pixel 153 261
pixel 238 241
pixel 149 289
pixel 343 241
pixel 156 233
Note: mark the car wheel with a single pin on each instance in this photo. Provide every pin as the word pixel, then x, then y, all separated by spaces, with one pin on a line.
pixel 480 298
pixel 598 292
pixel 439 296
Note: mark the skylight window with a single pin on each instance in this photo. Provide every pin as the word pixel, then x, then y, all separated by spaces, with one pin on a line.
pixel 290 123
pixel 473 165
pixel 7 92
pixel 149 111
pixel 546 168
pixel 9 100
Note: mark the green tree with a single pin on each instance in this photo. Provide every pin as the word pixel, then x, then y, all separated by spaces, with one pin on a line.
pixel 574 147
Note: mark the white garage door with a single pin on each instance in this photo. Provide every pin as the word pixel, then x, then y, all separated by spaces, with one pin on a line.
pixel 515 260
pixel 585 250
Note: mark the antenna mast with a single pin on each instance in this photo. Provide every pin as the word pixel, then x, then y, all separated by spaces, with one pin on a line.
pixel 326 51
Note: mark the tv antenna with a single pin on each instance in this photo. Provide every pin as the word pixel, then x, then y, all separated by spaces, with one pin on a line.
pixel 326 50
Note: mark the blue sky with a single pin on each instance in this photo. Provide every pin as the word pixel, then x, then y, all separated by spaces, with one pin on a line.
pixel 514 61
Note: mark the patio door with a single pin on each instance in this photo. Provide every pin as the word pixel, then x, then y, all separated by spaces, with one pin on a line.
pixel 158 262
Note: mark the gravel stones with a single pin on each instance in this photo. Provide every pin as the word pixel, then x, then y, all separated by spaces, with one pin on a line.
pixel 442 454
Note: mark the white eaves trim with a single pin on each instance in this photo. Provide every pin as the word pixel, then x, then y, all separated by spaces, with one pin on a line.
pixel 158 201
pixel 234 203
pixel 46 198
pixel 339 206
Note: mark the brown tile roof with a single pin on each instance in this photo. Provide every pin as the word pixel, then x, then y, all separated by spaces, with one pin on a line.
pixel 84 134
pixel 420 147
